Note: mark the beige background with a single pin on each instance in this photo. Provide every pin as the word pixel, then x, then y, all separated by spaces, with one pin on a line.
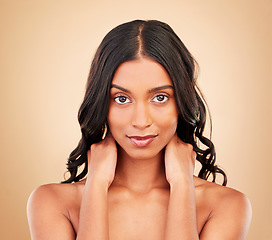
pixel 45 53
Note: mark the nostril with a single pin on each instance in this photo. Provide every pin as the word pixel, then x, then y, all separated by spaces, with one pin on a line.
pixel 141 118
pixel 141 125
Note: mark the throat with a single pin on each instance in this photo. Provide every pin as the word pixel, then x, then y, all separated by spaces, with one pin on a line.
pixel 140 175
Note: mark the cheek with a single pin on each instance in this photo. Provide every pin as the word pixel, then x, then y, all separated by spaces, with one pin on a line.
pixel 170 126
pixel 117 120
pixel 168 122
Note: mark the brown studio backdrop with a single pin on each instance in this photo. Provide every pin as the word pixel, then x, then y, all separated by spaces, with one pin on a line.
pixel 45 53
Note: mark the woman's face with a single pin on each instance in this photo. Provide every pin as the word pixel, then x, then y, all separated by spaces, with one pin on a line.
pixel 142 111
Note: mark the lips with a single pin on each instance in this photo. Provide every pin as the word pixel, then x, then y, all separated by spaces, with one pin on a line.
pixel 142 141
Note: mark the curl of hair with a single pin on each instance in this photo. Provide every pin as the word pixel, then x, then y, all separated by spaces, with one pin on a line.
pixel 129 41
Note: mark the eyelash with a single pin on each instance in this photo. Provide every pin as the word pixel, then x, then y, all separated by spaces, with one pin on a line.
pixel 165 97
pixel 117 99
pixel 120 96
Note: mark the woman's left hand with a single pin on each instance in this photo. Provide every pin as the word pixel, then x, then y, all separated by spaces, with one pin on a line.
pixel 179 160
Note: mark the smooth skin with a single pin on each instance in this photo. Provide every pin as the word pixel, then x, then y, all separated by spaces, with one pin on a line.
pixel 137 192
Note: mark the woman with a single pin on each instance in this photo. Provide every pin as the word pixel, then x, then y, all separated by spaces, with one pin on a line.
pixel 142 122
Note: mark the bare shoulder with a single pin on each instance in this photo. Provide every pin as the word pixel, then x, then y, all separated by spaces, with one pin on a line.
pixel 221 195
pixel 48 193
pixel 55 195
pixel 48 208
pixel 229 209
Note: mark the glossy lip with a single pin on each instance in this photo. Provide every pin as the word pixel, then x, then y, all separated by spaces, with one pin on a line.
pixel 142 141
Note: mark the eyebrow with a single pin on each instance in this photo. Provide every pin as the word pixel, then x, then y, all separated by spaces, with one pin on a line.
pixel 150 91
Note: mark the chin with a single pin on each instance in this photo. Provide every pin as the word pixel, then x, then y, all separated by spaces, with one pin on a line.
pixel 142 153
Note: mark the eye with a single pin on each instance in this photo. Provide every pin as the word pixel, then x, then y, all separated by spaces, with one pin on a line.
pixel 121 99
pixel 161 98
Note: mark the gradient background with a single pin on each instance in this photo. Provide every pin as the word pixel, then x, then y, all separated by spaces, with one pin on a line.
pixel 46 49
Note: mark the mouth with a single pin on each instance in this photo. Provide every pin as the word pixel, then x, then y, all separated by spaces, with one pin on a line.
pixel 142 141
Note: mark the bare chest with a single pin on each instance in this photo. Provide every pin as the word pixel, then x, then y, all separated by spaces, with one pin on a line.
pixel 134 217
pixel 138 217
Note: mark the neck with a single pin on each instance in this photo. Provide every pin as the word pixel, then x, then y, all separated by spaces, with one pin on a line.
pixel 140 175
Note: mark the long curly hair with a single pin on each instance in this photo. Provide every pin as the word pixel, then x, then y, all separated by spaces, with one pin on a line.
pixel 126 42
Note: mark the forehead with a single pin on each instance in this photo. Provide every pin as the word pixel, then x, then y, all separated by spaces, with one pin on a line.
pixel 145 72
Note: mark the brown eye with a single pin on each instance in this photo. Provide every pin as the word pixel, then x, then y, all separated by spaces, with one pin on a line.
pixel 121 100
pixel 161 98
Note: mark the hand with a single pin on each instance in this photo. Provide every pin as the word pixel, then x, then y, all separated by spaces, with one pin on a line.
pixel 179 160
pixel 102 159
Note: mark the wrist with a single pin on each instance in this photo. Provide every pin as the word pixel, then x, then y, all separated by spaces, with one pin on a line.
pixel 181 182
pixel 97 181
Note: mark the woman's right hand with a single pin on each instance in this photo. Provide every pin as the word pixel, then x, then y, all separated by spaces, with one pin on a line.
pixel 102 159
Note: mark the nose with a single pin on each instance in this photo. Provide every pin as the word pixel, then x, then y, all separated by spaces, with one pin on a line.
pixel 141 118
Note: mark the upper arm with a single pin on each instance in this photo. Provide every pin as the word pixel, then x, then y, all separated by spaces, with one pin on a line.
pixel 46 216
pixel 230 220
